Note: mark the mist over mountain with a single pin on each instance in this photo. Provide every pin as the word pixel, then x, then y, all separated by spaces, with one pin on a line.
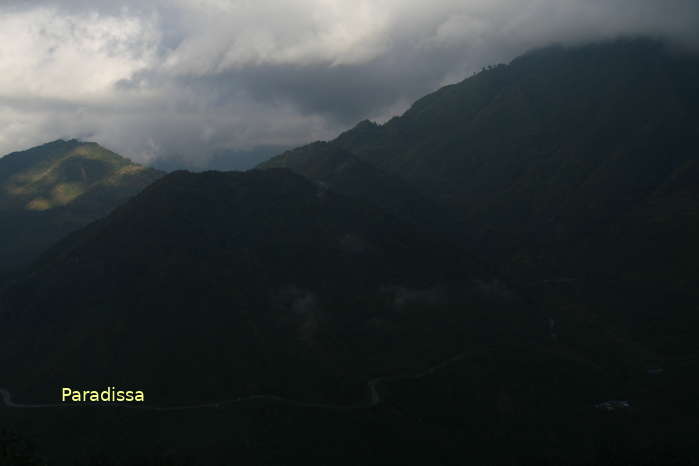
pixel 220 160
pixel 50 190
pixel 185 79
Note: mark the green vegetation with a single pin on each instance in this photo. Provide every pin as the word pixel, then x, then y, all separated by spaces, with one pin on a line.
pixel 48 191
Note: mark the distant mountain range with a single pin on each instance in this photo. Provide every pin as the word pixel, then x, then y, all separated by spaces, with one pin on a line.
pixel 50 190
pixel 221 160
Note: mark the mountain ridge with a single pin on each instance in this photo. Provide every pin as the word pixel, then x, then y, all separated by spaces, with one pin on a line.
pixel 52 189
pixel 570 161
pixel 347 174
pixel 555 145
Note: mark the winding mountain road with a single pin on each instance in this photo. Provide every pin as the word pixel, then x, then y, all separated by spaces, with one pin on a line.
pixel 374 396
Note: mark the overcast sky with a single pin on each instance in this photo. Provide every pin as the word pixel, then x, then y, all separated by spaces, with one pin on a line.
pixel 185 78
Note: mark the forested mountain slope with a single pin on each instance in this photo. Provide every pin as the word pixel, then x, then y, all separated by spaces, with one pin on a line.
pixel 50 190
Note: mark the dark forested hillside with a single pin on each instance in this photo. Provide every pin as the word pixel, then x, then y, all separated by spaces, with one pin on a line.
pixel 346 173
pixel 568 165
pixel 562 122
pixel 561 142
pixel 265 315
pixel 50 190
pixel 214 285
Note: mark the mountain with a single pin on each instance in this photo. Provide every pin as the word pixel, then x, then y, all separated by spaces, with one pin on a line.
pixel 572 164
pixel 50 190
pixel 214 285
pixel 563 114
pixel 316 308
pixel 346 173
pixel 265 315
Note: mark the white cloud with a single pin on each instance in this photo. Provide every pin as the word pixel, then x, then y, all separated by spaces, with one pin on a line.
pixel 47 54
pixel 192 76
pixel 298 32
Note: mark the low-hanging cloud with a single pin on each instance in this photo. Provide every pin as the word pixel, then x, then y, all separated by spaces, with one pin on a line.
pixel 187 78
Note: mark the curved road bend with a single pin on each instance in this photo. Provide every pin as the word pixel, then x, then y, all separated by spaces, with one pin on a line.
pixel 372 385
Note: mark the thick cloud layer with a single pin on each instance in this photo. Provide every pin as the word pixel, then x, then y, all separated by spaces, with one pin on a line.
pixel 188 78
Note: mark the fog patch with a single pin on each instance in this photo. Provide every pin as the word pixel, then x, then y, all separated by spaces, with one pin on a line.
pixel 403 298
pixel 301 309
pixel 494 290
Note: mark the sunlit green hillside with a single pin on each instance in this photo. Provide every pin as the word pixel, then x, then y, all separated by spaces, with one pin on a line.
pixel 55 188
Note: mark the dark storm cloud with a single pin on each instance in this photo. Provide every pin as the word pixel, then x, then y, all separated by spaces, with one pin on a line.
pixel 345 94
pixel 189 78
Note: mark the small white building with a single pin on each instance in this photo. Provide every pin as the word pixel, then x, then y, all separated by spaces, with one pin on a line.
pixel 613 405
